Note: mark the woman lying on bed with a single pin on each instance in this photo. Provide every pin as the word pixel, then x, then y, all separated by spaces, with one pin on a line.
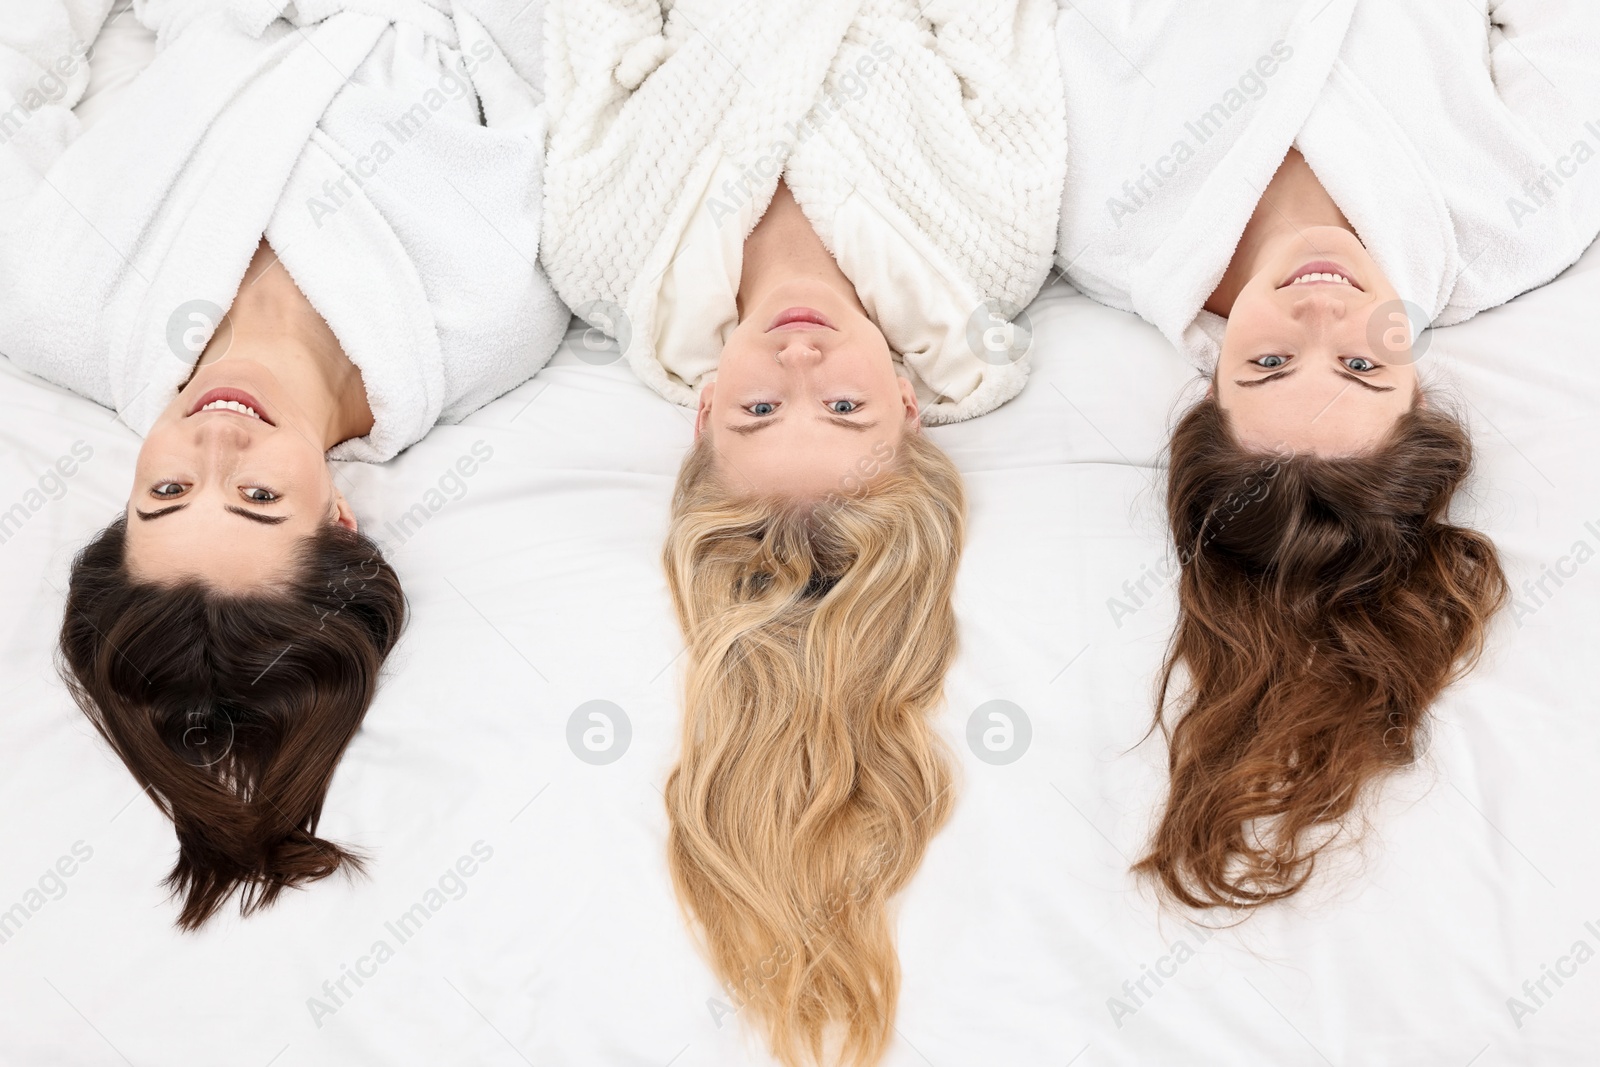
pixel 1362 176
pixel 789 219
pixel 225 633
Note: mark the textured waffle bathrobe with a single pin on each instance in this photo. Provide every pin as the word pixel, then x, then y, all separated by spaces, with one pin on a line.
pixel 927 151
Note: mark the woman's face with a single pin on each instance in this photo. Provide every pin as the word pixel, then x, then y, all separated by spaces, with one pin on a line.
pixel 224 495
pixel 1321 366
pixel 805 388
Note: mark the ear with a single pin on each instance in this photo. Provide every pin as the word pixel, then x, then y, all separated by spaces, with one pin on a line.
pixel 908 401
pixel 703 414
pixel 343 513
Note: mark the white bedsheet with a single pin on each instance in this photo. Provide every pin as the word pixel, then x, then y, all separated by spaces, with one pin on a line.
pixel 539 590
pixel 535 589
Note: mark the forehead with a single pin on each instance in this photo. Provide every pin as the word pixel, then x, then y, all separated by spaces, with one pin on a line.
pixel 1320 414
pixel 219 548
pixel 800 460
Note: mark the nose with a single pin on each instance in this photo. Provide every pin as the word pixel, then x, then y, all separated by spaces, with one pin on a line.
pixel 221 439
pixel 798 352
pixel 1315 307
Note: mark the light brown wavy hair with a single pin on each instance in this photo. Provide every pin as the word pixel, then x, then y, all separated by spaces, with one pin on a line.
pixel 810 780
pixel 1323 603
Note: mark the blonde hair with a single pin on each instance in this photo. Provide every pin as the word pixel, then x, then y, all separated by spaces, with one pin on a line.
pixel 810 780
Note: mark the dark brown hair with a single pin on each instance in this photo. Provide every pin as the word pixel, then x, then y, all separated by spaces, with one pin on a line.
pixel 234 709
pixel 1323 603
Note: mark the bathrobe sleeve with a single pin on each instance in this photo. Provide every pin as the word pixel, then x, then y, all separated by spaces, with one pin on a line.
pixel 1544 57
pixel 44 70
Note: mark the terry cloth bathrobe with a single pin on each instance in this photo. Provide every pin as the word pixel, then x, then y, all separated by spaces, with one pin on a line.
pixel 1461 138
pixel 387 149
pixel 926 151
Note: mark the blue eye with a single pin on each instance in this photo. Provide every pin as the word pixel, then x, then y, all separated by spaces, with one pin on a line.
pixel 763 408
pixel 841 407
pixel 1270 362
pixel 1360 364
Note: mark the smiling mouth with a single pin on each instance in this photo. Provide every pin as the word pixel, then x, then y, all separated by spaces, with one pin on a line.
pixel 1322 272
pixel 800 319
pixel 231 402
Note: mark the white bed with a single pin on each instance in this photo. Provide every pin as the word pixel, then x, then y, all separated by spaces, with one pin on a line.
pixel 539 590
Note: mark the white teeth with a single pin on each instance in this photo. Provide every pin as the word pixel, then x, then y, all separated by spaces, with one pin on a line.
pixel 1316 276
pixel 231 405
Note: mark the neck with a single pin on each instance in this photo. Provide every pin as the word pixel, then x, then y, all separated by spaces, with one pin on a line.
pixel 784 248
pixel 1293 202
pixel 274 325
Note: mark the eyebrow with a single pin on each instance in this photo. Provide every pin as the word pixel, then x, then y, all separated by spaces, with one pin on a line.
pixel 1369 385
pixel 265 520
pixel 838 420
pixel 1249 383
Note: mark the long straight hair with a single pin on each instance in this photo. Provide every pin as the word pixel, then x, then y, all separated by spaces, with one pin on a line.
pixel 233 710
pixel 1323 603
pixel 810 780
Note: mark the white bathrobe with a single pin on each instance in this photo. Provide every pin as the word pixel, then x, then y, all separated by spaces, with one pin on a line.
pixel 1461 138
pixel 387 149
pixel 926 150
